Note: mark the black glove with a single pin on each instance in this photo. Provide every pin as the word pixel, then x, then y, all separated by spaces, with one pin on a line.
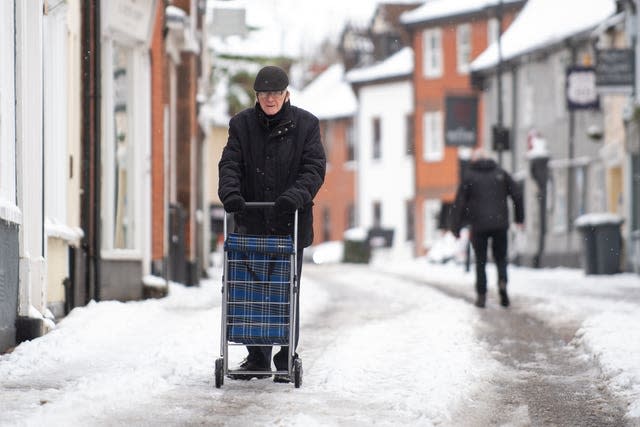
pixel 234 203
pixel 284 204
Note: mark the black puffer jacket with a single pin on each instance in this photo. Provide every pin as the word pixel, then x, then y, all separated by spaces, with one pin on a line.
pixel 266 157
pixel 481 199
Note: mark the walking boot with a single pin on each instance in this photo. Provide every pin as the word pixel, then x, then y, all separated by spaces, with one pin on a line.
pixel 249 365
pixel 504 297
pixel 481 300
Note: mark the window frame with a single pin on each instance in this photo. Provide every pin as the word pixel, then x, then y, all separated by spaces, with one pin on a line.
pixel 432 58
pixel 464 42
pixel 433 134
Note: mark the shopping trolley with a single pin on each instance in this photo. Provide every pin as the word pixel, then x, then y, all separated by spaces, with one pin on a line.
pixel 259 296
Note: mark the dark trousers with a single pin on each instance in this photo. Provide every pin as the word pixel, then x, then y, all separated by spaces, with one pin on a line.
pixel 480 243
pixel 262 354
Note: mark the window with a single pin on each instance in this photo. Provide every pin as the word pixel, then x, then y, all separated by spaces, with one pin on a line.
pixel 377 214
pixel 350 140
pixel 55 101
pixel 351 216
pixel 409 135
pixel 433 136
pixel 377 143
pixel 463 39
pixel 325 135
pixel 7 108
pixel 326 224
pixel 123 152
pixel 410 220
pixel 432 58
pixel 493 31
pixel 431 215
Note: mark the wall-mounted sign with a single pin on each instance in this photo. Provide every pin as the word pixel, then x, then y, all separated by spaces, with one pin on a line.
pixel 129 18
pixel 461 129
pixel 581 88
pixel 615 70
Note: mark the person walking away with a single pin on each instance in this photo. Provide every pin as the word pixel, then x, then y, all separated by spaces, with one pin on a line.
pixel 273 154
pixel 482 203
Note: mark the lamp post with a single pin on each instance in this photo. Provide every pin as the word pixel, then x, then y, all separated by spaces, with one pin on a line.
pixel 500 133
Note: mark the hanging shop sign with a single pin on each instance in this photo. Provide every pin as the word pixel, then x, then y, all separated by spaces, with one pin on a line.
pixel 131 19
pixel 615 70
pixel 581 90
pixel 461 127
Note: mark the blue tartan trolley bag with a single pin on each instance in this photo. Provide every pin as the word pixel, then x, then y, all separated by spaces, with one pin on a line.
pixel 259 295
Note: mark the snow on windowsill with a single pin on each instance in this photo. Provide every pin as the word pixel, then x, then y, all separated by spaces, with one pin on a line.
pixel 10 212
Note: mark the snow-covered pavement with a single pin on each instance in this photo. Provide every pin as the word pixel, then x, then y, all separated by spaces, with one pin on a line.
pixel 376 348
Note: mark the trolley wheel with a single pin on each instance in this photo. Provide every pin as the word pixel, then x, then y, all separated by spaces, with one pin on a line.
pixel 219 376
pixel 297 372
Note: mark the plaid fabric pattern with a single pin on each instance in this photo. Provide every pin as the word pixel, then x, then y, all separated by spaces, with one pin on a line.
pixel 259 269
pixel 261 244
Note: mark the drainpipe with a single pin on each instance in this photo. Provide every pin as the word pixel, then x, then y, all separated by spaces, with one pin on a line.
pixel 97 128
pixel 571 155
pixel 91 147
pixel 86 145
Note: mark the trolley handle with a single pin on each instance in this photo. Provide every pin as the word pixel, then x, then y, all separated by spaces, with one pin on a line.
pixel 259 204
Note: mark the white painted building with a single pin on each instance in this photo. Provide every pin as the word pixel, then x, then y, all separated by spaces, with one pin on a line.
pixel 385 183
pixel 125 147
pixel 61 217
pixel 10 213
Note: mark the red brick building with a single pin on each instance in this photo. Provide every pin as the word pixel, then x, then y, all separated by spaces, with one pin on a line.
pixel 446 37
pixel 332 100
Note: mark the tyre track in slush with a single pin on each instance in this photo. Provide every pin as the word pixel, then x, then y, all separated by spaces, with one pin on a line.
pixel 546 380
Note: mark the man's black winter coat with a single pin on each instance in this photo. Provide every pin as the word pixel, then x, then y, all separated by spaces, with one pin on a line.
pixel 481 199
pixel 266 157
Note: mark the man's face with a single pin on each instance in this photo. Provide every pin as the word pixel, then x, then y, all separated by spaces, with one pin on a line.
pixel 271 102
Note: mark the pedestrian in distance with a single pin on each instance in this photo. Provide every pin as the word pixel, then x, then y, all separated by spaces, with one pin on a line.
pixel 273 154
pixel 482 203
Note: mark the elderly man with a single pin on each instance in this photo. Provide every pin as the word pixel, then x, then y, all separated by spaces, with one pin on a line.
pixel 273 154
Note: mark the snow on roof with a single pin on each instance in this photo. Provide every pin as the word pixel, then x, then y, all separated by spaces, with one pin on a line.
pixel 542 23
pixel 400 64
pixel 328 96
pixel 437 9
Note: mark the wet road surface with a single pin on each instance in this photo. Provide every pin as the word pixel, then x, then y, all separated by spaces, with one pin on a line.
pixel 547 380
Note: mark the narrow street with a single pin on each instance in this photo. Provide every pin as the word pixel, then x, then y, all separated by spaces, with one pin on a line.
pixel 544 379
pixel 377 348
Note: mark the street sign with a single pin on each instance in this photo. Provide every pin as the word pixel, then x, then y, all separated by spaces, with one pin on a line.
pixel 615 70
pixel 581 90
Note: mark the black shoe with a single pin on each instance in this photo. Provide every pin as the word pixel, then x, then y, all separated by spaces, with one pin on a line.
pixel 281 379
pixel 504 298
pixel 481 300
pixel 281 359
pixel 249 365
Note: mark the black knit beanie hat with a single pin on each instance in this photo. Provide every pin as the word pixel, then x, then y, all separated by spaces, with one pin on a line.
pixel 271 78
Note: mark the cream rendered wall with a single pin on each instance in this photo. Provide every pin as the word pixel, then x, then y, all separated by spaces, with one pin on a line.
pixel 217 141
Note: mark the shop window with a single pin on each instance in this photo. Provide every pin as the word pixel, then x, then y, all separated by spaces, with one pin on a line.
pixel 123 152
